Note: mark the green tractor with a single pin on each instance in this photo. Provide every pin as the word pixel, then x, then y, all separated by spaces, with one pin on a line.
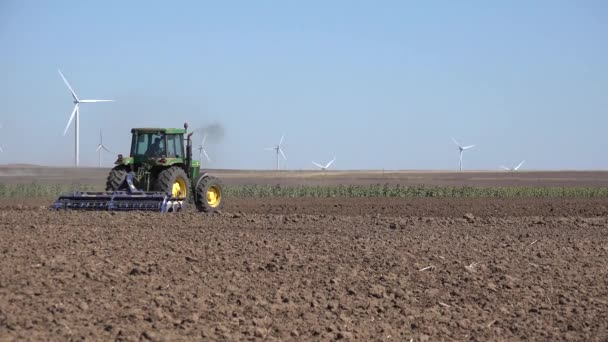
pixel 159 175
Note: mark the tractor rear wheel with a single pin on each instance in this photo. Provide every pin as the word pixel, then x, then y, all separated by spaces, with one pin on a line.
pixel 173 181
pixel 116 177
pixel 209 197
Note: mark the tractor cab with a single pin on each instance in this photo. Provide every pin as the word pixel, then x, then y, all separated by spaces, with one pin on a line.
pixel 153 148
pixel 156 143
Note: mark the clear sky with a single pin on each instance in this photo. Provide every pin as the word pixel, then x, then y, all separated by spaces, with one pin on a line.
pixel 378 84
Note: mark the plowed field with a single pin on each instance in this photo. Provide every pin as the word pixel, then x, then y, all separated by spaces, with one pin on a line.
pixel 309 269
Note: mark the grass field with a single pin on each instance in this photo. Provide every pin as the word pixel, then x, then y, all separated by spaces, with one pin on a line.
pixel 30 190
pixel 34 181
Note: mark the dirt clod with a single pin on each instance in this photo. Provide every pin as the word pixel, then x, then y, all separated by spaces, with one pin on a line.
pixel 377 291
pixel 469 217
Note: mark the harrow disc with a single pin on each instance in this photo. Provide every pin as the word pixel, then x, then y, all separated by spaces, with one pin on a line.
pixel 117 201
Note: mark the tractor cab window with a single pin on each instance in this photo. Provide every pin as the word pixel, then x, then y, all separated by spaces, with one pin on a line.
pixel 148 145
pixel 174 146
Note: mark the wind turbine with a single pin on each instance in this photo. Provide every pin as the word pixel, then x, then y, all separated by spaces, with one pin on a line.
pixel 1 150
pixel 513 168
pixel 201 150
pixel 100 147
pixel 76 114
pixel 461 149
pixel 326 166
pixel 278 149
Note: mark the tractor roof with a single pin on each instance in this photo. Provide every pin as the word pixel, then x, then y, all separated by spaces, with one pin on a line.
pixel 155 130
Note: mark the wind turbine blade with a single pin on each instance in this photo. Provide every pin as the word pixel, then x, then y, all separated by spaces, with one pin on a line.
pixel 69 87
pixel 71 119
pixel 283 154
pixel 206 155
pixel 468 147
pixel 505 168
pixel 95 101
pixel 1 150
pixel 203 141
pixel 281 141
pixel 455 142
pixel 269 148
pixel 317 165
pixel 519 165
pixel 98 148
pixel 106 149
pixel 329 164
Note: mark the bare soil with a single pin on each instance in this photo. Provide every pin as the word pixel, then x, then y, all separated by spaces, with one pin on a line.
pixel 308 269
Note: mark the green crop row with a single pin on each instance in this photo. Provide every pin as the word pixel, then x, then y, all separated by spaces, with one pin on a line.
pixel 39 190
pixel 52 190
pixel 409 191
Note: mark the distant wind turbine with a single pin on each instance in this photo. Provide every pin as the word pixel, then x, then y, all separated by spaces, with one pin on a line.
pixel 326 166
pixel 279 150
pixel 1 150
pixel 461 150
pixel 513 168
pixel 100 147
pixel 76 114
pixel 201 150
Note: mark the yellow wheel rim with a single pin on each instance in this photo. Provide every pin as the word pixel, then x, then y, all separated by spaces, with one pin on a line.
pixel 179 188
pixel 214 196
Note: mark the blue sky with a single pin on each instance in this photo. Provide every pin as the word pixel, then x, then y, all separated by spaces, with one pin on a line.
pixel 378 84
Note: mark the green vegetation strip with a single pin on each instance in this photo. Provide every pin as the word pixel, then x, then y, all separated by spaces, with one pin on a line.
pixel 39 190
pixel 409 191
pixel 44 190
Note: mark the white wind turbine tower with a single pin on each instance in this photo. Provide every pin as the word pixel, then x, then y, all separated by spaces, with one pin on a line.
pixel 326 166
pixel 461 150
pixel 76 114
pixel 201 150
pixel 100 147
pixel 279 150
pixel 1 150
pixel 513 168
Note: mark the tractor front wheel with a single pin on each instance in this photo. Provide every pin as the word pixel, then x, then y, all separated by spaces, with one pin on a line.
pixel 116 178
pixel 209 197
pixel 173 181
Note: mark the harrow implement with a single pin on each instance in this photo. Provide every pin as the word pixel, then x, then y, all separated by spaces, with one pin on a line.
pixel 130 199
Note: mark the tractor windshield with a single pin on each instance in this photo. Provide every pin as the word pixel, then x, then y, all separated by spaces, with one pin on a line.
pixel 175 146
pixel 148 145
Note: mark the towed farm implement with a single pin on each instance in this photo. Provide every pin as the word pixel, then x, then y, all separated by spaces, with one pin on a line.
pixel 159 175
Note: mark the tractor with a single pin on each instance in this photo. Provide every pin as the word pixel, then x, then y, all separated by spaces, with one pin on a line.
pixel 158 175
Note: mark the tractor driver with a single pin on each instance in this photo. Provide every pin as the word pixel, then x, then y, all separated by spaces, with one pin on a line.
pixel 155 150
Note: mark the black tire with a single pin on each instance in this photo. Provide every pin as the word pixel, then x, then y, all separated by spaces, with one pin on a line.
pixel 203 185
pixel 167 177
pixel 116 177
